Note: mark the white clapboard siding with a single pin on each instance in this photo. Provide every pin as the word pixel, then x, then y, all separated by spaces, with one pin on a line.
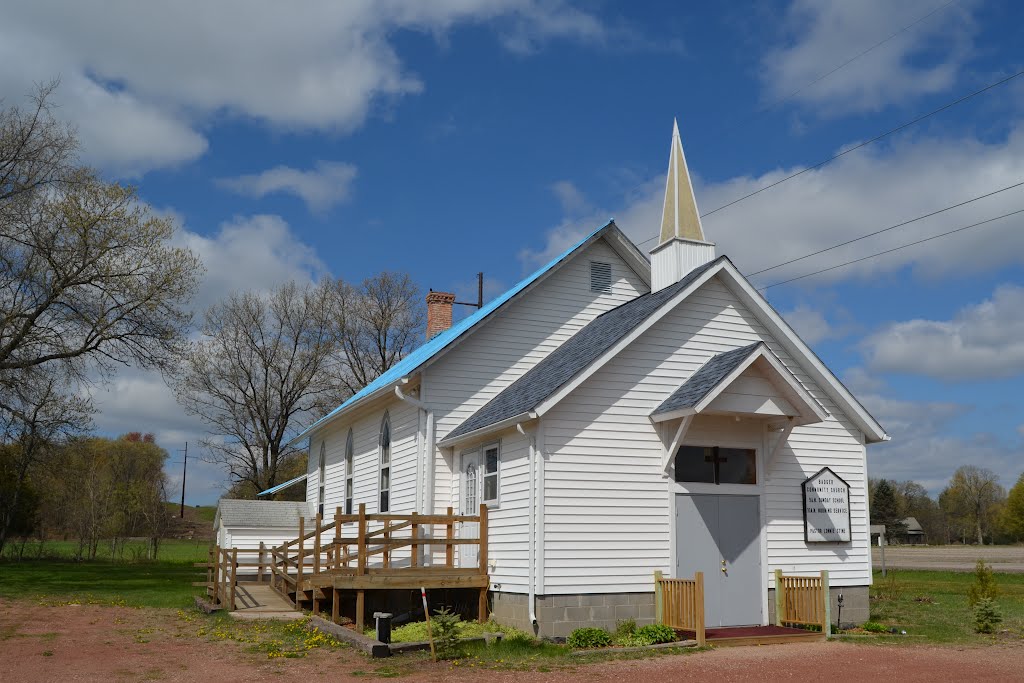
pixel 489 360
pixel 366 457
pixel 605 494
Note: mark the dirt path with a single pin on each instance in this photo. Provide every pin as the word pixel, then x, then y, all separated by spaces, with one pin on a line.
pixel 958 558
pixel 90 643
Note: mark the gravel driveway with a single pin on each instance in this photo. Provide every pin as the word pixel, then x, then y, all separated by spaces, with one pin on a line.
pixel 90 643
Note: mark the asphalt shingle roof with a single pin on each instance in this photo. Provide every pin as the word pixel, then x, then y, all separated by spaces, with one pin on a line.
pixel 260 514
pixel 575 354
pixel 693 390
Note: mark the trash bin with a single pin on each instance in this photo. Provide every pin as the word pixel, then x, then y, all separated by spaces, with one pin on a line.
pixel 383 621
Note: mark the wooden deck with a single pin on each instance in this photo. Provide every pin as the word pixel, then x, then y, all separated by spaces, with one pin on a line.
pixel 336 563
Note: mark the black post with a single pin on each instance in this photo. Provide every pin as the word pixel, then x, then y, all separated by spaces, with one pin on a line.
pixel 479 290
pixel 184 471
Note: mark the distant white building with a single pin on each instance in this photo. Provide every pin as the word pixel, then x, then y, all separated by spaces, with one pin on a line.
pixel 619 416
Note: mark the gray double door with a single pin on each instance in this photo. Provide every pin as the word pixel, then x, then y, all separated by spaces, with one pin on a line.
pixel 720 536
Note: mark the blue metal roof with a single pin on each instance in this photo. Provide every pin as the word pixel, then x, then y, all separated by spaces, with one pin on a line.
pixel 441 340
pixel 285 485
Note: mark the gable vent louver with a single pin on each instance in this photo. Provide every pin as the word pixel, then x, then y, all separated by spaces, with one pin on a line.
pixel 600 277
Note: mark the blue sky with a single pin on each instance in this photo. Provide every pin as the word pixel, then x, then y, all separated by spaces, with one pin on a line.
pixel 455 136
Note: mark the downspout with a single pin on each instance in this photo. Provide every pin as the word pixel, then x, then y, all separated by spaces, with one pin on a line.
pixel 426 461
pixel 531 525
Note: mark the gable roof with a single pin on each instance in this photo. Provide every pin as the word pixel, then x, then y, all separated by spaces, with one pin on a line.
pixel 441 341
pixel 702 382
pixel 590 348
pixel 701 390
pixel 258 514
pixel 561 365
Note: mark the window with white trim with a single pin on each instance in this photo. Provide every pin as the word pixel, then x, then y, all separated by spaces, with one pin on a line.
pixel 322 470
pixel 490 465
pixel 349 455
pixel 384 483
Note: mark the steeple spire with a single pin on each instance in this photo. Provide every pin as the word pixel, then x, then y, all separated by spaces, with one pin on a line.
pixel 679 216
pixel 682 246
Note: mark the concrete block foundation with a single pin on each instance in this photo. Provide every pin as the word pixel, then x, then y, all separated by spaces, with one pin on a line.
pixel 856 605
pixel 559 615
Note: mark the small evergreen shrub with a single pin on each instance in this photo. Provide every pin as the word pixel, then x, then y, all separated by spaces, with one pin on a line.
pixel 986 616
pixel 984 585
pixel 587 637
pixel 445 627
pixel 874 627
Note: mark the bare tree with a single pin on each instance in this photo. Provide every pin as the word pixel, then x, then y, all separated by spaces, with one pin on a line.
pixel 380 321
pixel 262 370
pixel 973 497
pixel 36 150
pixel 88 274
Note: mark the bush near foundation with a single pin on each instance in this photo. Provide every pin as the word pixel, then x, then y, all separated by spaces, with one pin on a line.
pixel 588 637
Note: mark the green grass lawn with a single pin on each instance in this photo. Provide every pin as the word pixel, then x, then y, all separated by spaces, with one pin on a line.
pixel 171 550
pixel 57 578
pixel 933 604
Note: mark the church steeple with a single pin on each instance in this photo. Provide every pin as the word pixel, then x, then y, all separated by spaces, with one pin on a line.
pixel 682 246
pixel 679 215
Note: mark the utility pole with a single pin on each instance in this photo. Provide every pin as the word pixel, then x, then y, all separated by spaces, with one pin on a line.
pixel 184 471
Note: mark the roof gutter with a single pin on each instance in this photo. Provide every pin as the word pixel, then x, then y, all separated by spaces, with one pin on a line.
pixel 330 417
pixel 513 421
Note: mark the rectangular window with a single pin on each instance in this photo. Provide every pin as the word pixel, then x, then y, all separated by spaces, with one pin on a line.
pixel 321 475
pixel 349 456
pixel 715 465
pixel 491 465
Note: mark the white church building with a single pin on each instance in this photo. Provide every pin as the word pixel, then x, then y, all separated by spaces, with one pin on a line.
pixel 618 415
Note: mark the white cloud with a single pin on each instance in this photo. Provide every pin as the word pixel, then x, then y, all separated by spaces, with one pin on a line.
pixel 141 80
pixel 860 381
pixel 820 36
pixel 922 449
pixel 253 252
pixel 981 341
pixel 570 197
pixel 810 324
pixel 321 187
pixel 867 190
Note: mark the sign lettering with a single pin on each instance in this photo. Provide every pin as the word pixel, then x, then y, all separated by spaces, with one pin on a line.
pixel 826 508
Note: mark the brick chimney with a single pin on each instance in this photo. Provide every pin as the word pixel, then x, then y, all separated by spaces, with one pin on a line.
pixel 439 312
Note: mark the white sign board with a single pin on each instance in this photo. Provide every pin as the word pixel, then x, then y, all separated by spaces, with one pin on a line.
pixel 826 508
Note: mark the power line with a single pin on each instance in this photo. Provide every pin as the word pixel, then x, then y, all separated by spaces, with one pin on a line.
pixel 852 59
pixel 889 251
pixel 868 142
pixel 891 227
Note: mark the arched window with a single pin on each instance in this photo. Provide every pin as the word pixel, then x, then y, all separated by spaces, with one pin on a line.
pixel 349 450
pixel 321 470
pixel 385 465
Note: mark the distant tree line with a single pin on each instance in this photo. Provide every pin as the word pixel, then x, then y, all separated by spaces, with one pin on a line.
pixel 972 508
pixel 93 490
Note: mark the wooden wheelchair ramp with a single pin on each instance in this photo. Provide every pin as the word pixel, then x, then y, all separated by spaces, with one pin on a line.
pixel 260 601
